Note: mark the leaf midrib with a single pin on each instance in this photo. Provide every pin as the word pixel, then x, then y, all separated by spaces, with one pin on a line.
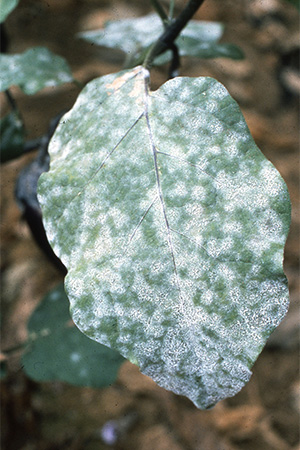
pixel 158 183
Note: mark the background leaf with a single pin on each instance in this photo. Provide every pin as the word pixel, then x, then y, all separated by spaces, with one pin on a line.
pixel 296 3
pixel 134 36
pixel 172 225
pixel 6 7
pixel 33 70
pixel 190 47
pixel 12 137
pixel 59 351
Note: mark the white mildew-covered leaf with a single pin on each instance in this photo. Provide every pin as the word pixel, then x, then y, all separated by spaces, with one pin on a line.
pixel 33 70
pixel 6 7
pixel 134 36
pixel 172 225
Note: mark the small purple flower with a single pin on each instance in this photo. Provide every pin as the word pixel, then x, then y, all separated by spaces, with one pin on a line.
pixel 113 430
pixel 110 432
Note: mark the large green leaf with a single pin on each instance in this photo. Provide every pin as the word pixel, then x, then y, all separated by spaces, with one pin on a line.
pixel 172 225
pixel 58 351
pixel 33 70
pixel 6 7
pixel 12 137
pixel 134 36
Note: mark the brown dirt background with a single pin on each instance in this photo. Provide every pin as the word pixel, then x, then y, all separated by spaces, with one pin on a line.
pixel 265 414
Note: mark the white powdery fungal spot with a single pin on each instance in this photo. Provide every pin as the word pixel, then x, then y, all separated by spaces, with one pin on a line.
pixel 34 70
pixel 216 247
pixel 75 357
pixel 172 226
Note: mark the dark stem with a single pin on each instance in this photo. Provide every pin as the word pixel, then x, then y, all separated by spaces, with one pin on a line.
pixel 15 348
pixel 11 101
pixel 13 104
pixel 31 145
pixel 172 31
pixel 175 63
pixel 3 39
pixel 43 141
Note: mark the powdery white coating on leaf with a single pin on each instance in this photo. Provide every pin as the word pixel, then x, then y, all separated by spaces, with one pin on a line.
pixel 6 7
pixel 172 226
pixel 134 36
pixel 130 35
pixel 33 70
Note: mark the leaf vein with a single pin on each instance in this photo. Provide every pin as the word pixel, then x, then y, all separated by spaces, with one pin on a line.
pixel 160 192
pixel 141 220
pixel 106 158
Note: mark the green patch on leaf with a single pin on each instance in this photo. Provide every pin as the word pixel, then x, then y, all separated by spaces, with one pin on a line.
pixel 135 36
pixel 12 137
pixel 33 70
pixel 59 351
pixel 172 225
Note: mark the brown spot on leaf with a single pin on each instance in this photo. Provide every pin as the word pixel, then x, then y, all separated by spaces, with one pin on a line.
pixel 118 82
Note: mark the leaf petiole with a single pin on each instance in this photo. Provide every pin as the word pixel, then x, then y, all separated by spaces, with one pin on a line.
pixel 171 9
pixel 160 11
pixel 172 31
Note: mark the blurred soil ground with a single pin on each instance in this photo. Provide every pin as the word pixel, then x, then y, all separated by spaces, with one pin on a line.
pixel 265 414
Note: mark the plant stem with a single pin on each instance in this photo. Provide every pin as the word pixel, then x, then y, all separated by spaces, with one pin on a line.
pixel 171 9
pixel 14 106
pixel 160 11
pixel 175 63
pixel 5 353
pixel 31 145
pixel 11 101
pixel 171 32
